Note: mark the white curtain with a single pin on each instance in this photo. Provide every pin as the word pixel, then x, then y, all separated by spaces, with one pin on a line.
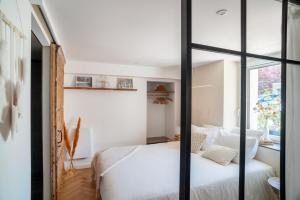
pixel 293 108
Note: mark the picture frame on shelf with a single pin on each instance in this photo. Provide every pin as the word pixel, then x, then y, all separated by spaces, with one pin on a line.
pixel 102 82
pixel 125 83
pixel 84 81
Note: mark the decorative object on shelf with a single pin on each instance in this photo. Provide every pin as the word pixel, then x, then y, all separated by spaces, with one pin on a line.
pixel 102 82
pixel 72 149
pixel 124 83
pixel 84 81
pixel 161 95
pixel 99 82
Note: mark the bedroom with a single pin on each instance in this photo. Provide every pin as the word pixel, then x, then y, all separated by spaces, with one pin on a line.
pixel 154 124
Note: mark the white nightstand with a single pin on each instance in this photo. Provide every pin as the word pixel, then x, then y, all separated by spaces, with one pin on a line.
pixel 274 182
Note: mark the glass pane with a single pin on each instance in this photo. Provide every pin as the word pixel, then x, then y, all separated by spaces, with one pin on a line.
pixel 217 23
pixel 215 109
pixel 264 97
pixel 293 43
pixel 292 132
pixel 264 27
pixel 263 128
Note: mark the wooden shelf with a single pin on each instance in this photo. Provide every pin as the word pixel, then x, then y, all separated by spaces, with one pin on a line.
pixel 108 89
pixel 158 94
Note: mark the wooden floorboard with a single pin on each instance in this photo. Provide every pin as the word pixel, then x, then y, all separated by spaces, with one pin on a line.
pixel 78 186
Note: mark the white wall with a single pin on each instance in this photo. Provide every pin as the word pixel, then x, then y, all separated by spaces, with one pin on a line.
pixel 207 94
pixel 15 159
pixel 84 67
pixel 232 94
pixel 216 94
pixel 116 117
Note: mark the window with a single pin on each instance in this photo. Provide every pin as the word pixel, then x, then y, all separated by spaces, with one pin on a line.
pixel 265 99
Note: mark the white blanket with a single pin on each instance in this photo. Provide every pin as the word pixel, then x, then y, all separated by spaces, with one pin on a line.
pixel 152 172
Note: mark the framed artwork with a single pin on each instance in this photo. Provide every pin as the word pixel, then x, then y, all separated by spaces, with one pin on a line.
pixel 124 83
pixel 84 81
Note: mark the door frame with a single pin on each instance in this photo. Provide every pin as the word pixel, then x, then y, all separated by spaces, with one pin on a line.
pixel 57 62
pixel 40 29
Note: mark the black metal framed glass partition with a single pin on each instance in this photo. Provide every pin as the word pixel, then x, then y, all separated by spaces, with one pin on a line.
pixel 286 60
pixel 215 103
pixel 263 116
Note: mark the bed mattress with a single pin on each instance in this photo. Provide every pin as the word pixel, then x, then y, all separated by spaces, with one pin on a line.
pixel 152 172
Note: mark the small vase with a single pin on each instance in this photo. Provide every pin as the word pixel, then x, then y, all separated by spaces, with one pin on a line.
pixel 266 137
pixel 267 133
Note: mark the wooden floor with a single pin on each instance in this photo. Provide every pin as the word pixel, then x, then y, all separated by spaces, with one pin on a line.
pixel 78 186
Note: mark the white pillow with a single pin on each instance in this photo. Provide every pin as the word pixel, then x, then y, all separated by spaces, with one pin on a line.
pixel 194 128
pixel 211 135
pixel 197 140
pixel 233 141
pixel 220 154
pixel 250 133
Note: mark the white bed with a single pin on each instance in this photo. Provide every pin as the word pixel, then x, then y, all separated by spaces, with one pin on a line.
pixel 152 172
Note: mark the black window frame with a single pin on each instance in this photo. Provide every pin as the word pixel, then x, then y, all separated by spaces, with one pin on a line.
pixel 186 77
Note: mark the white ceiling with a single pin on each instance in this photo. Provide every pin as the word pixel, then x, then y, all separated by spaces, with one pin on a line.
pixel 147 32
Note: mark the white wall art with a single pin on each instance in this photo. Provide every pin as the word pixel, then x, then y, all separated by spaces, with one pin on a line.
pixel 11 76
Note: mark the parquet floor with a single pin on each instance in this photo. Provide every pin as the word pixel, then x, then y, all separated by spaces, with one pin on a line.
pixel 78 186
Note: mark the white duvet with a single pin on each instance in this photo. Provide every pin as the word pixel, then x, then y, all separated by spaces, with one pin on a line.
pixel 152 172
